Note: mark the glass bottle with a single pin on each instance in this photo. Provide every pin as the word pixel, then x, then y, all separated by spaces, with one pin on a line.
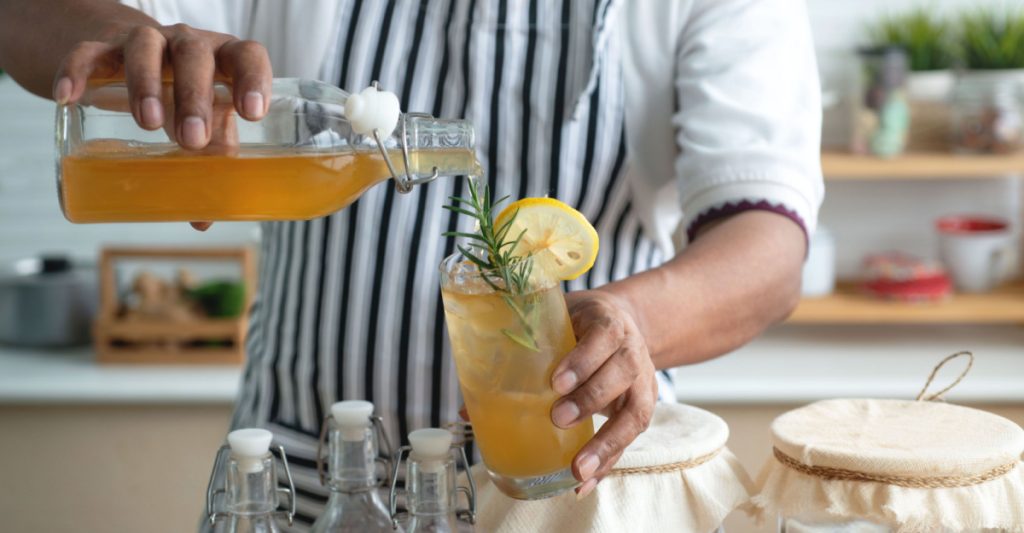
pixel 430 488
pixel 303 160
pixel 881 111
pixel 355 505
pixel 249 501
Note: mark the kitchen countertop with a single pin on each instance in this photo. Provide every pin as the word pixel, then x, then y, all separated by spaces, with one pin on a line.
pixel 72 376
pixel 787 365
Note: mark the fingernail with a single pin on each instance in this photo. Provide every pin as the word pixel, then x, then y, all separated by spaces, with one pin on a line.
pixel 193 132
pixel 152 112
pixel 588 465
pixel 252 104
pixel 62 92
pixel 565 413
pixel 564 382
pixel 585 489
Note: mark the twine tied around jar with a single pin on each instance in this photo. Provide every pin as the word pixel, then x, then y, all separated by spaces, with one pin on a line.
pixel 938 395
pixel 670 467
pixel 916 482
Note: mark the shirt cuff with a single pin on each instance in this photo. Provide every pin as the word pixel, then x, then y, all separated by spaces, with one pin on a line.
pixel 729 209
pixel 721 200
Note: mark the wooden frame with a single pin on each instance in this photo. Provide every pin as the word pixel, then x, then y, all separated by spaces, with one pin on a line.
pixel 109 330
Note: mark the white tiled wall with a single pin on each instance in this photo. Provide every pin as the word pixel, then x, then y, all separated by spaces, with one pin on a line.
pixel 30 218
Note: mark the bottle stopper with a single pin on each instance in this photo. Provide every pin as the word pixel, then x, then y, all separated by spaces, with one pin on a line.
pixel 249 446
pixel 352 417
pixel 430 444
pixel 373 109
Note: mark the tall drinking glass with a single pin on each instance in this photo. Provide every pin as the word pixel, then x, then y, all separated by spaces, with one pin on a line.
pixel 506 348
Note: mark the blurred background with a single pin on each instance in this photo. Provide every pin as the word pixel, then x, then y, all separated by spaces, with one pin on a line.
pixel 122 427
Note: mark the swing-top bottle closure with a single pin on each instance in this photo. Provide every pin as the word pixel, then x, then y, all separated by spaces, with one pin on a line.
pixel 249 448
pixel 352 418
pixel 378 121
pixel 432 449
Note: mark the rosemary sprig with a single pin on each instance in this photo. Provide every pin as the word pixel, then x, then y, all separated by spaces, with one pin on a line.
pixel 491 250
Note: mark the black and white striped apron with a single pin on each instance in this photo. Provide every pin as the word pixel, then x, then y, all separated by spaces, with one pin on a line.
pixel 349 305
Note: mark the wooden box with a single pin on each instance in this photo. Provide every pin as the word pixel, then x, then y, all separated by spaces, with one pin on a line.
pixel 195 340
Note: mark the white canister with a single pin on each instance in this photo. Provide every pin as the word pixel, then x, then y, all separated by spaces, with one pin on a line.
pixel 819 273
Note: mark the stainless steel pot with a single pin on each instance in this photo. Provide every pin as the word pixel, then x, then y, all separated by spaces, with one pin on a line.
pixel 47 302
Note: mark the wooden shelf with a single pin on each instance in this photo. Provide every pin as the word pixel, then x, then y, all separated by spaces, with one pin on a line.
pixel 919 165
pixel 847 306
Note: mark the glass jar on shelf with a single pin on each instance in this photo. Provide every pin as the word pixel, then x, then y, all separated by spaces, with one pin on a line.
pixel 881 110
pixel 988 112
pixel 880 466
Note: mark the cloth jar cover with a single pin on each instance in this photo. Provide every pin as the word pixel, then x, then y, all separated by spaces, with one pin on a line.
pixel 676 476
pixel 911 465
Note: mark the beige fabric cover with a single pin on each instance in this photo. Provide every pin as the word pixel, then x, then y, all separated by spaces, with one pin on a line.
pixel 691 500
pixel 896 438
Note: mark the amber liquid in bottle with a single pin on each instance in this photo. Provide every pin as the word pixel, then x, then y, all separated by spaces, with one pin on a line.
pixel 108 181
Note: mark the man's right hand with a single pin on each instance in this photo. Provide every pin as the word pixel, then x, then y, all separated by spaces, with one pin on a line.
pixel 194 56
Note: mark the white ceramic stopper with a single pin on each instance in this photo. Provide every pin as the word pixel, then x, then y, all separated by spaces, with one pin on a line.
pixel 373 109
pixel 248 446
pixel 353 417
pixel 430 443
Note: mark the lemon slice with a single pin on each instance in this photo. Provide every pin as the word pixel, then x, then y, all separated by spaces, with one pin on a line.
pixel 563 243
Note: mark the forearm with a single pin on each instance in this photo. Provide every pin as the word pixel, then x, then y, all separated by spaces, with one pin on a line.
pixel 35 35
pixel 737 278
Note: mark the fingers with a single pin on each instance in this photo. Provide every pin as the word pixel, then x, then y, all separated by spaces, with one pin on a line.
pixel 85 59
pixel 589 485
pixel 612 379
pixel 600 335
pixel 598 456
pixel 201 226
pixel 143 60
pixel 193 63
pixel 248 66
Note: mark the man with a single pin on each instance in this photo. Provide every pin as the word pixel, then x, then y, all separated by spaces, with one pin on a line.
pixel 686 131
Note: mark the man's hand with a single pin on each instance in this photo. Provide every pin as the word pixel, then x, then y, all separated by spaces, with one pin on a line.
pixel 609 372
pixel 194 56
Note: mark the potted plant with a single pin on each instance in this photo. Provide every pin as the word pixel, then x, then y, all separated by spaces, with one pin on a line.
pixel 987 97
pixel 930 46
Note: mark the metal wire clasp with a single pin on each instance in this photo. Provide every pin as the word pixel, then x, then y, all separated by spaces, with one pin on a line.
pixel 382 439
pixel 211 493
pixel 403 182
pixel 468 514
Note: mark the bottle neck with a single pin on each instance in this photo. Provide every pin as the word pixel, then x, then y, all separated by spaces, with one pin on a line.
pixel 252 486
pixel 430 487
pixel 352 459
pixel 445 145
pixel 251 524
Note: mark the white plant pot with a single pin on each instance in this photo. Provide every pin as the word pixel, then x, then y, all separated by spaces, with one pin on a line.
pixel 930 85
pixel 994 76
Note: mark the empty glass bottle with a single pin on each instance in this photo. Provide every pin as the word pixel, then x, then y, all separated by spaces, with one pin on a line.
pixel 430 485
pixel 355 504
pixel 249 501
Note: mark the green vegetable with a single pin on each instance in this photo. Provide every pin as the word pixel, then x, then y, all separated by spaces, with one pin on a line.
pixel 220 299
pixel 929 41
